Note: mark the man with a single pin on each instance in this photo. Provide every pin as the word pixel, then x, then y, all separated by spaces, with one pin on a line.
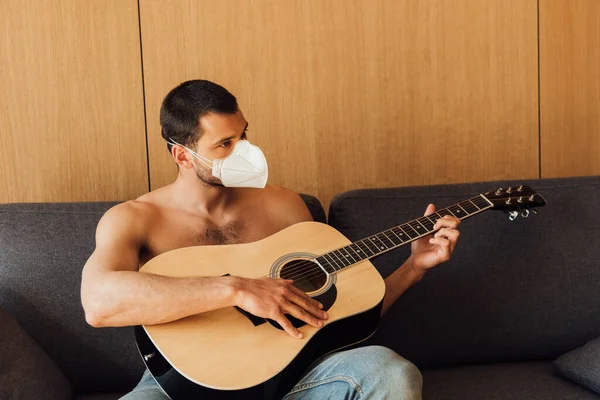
pixel 207 205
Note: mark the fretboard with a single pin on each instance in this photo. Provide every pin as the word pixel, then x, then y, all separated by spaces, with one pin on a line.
pixel 397 236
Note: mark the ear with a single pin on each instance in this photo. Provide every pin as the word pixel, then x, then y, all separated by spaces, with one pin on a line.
pixel 181 157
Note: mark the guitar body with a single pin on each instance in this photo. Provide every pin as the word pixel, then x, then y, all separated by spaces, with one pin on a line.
pixel 228 353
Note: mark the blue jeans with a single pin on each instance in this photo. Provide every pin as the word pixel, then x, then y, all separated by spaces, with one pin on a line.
pixel 372 372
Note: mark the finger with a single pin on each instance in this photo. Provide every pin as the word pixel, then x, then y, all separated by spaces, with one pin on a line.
pixel 306 301
pixel 448 233
pixel 440 241
pixel 430 209
pixel 301 314
pixel 444 244
pixel 287 326
pixel 447 221
pixel 307 305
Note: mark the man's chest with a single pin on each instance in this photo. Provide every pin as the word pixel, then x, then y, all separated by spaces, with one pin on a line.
pixel 176 233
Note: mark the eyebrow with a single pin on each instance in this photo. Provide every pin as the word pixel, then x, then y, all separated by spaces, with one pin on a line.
pixel 231 137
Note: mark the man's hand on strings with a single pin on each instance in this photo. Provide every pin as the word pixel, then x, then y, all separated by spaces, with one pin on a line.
pixel 274 298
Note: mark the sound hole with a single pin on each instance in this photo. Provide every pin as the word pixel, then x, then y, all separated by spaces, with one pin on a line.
pixel 307 275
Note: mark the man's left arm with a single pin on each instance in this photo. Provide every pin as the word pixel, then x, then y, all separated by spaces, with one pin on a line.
pixel 426 253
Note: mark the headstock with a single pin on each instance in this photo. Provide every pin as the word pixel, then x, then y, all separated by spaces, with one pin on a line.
pixel 515 200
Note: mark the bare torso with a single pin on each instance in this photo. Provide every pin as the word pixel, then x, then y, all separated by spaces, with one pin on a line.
pixel 253 214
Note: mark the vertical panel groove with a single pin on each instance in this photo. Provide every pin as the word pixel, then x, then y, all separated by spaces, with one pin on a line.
pixel 144 94
pixel 539 94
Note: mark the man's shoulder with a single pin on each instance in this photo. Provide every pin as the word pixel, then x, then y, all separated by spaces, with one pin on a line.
pixel 133 215
pixel 280 196
pixel 285 202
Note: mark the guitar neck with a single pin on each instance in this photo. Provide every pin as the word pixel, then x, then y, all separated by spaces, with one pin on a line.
pixel 397 236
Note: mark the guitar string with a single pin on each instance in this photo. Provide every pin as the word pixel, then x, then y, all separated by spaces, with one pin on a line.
pixel 318 271
pixel 379 236
pixel 370 246
pixel 300 269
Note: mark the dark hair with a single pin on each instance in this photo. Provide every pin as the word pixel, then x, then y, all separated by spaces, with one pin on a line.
pixel 183 107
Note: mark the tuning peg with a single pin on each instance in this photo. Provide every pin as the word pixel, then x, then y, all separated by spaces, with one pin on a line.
pixel 520 188
pixel 508 201
pixel 520 200
pixel 532 197
pixel 512 215
pixel 499 192
pixel 509 190
pixel 525 213
pixel 535 211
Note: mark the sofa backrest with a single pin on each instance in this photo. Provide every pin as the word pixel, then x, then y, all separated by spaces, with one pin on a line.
pixel 43 248
pixel 522 290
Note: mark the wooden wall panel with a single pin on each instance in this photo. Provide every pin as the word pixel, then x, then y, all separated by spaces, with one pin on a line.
pixel 570 87
pixel 346 94
pixel 71 109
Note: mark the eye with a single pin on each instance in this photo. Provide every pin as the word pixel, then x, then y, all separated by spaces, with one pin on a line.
pixel 225 144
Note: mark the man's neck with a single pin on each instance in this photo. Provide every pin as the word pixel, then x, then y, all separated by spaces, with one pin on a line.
pixel 195 196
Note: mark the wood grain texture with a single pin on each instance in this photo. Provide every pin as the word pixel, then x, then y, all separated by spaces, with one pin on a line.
pixel 570 87
pixel 71 112
pixel 227 342
pixel 349 94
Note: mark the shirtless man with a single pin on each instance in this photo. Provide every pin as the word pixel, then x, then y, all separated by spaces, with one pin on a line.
pixel 201 122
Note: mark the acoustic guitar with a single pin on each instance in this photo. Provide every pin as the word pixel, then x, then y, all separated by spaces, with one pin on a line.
pixel 230 353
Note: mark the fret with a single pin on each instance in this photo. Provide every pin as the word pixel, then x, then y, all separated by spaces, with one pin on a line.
pixel 392 237
pixel 394 233
pixel 420 229
pixel 365 247
pixel 336 259
pixel 345 249
pixel 401 234
pixel 474 205
pixel 341 257
pixel 470 207
pixel 451 213
pixel 386 239
pixel 485 203
pixel 456 211
pixel 419 222
pixel 409 232
pixel 426 222
pixel 380 247
pixel 444 212
pixel 332 261
pixel 359 253
pixel 461 207
pixel 437 214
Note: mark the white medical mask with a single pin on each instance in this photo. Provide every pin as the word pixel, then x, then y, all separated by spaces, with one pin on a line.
pixel 245 166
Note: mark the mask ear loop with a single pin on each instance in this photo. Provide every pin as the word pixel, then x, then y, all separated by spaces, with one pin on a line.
pixel 198 156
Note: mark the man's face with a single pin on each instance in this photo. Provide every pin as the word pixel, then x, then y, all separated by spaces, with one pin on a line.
pixel 220 132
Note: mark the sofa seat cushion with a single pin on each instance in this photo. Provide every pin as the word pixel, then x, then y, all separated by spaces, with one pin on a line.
pixel 26 372
pixel 515 381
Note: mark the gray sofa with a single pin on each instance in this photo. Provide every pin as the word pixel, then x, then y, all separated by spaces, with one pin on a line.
pixel 485 325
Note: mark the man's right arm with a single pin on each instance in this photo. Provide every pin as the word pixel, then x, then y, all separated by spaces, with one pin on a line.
pixel 114 293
